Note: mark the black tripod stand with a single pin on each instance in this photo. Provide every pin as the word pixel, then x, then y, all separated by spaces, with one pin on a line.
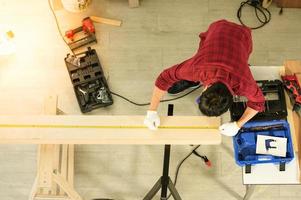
pixel 164 181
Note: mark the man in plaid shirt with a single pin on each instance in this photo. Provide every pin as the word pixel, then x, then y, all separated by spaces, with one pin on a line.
pixel 221 65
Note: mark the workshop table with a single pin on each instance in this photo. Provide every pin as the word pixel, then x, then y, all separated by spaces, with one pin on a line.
pixel 66 152
pixel 56 136
pixel 269 174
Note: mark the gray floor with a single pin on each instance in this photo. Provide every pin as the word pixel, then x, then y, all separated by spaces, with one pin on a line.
pixel 156 35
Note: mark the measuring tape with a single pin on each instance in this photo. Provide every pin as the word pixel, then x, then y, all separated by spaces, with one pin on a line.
pixel 99 126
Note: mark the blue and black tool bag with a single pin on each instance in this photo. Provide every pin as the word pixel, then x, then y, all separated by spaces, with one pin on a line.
pixel 245 143
pixel 272 122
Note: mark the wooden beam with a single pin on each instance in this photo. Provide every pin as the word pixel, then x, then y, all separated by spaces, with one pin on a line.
pixel 48 197
pixel 290 119
pixel 55 165
pixel 66 187
pixel 102 20
pixel 292 67
pixel 50 105
pixel 108 130
pixel 70 170
pixel 45 169
pixel 134 3
pixel 64 164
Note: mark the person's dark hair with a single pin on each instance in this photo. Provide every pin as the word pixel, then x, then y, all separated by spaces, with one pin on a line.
pixel 216 100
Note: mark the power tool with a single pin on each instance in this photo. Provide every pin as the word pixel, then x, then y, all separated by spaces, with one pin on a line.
pixel 89 31
pixel 291 83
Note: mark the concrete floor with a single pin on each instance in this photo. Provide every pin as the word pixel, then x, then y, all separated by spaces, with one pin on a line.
pixel 156 35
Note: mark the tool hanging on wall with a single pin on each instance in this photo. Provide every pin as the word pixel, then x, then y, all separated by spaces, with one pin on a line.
pixel 87 29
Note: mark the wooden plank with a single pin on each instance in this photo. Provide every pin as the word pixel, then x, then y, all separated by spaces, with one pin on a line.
pixel 46 159
pixel 134 3
pixel 108 130
pixel 43 184
pixel 52 155
pixel 105 21
pixel 64 165
pixel 291 122
pixel 70 178
pixel 55 165
pixel 288 3
pixel 50 105
pixel 45 170
pixel 33 190
pixel 66 187
pixel 48 197
pixel 292 67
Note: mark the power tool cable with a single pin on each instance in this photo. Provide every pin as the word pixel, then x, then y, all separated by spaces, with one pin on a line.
pixel 258 9
pixel 116 94
pixel 148 103
pixel 182 162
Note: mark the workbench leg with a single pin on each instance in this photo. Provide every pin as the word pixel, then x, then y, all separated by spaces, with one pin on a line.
pixel 249 191
pixel 164 182
pixel 55 167
pixel 33 189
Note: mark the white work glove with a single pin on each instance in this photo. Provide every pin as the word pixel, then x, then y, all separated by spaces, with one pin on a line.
pixel 152 120
pixel 229 129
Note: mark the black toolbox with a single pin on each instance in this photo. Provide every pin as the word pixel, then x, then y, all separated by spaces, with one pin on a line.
pixel 89 82
pixel 275 105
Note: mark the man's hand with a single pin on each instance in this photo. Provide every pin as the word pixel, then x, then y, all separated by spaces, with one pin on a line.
pixel 152 120
pixel 229 129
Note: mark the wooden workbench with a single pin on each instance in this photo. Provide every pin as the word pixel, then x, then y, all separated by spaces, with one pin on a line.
pixel 56 136
pixel 107 130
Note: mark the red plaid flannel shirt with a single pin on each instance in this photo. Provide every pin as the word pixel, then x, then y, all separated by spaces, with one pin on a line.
pixel 222 56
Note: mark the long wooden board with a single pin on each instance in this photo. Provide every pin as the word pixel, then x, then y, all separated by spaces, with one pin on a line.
pixel 294 67
pixel 112 22
pixel 47 129
pixel 134 3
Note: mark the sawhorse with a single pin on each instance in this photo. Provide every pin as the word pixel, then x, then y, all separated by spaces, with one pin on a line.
pixel 55 166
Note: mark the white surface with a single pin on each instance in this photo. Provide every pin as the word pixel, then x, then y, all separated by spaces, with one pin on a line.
pixel 269 173
pixel 279 144
pixel 265 72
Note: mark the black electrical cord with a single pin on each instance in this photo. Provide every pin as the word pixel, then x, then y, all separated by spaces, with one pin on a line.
pixel 148 103
pixel 258 9
pixel 118 95
pixel 205 159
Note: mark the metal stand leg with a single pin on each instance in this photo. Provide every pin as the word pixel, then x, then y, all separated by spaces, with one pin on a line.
pixel 165 178
pixel 164 182
pixel 153 191
pixel 249 191
pixel 173 190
